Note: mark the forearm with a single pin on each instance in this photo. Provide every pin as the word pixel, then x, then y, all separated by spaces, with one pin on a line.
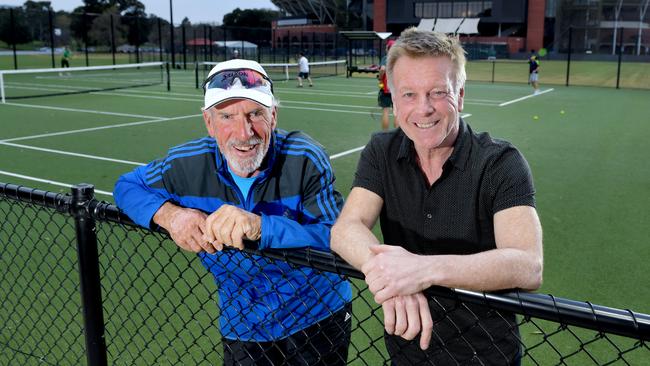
pixel 139 201
pixel 497 269
pixel 350 240
pixel 279 232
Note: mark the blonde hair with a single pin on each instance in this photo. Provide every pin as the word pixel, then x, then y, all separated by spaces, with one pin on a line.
pixel 418 43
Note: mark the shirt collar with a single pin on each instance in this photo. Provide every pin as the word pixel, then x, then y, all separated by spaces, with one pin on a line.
pixel 459 156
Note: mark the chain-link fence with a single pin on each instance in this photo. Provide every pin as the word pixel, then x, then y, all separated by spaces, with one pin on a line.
pixel 35 37
pixel 143 301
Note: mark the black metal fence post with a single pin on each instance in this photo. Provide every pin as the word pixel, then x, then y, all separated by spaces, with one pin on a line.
pixel 194 44
pixel 49 15
pixel 493 66
pixel 171 33
pixel 84 19
pixel 184 46
pixel 13 39
pixel 225 43
pixel 91 294
pixel 137 39
pixel 210 42
pixel 112 39
pixel 568 57
pixel 160 42
pixel 620 59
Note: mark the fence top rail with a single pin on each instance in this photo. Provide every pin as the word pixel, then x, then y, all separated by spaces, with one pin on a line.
pixel 58 201
pixel 548 307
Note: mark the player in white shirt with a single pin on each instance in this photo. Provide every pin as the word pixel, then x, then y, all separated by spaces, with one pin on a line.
pixel 303 64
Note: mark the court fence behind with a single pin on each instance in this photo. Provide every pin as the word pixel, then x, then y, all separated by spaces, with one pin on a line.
pixel 144 301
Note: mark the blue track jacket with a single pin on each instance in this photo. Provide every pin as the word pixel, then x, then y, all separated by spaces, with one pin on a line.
pixel 260 300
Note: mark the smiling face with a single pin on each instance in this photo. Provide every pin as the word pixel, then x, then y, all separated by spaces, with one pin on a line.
pixel 426 101
pixel 243 131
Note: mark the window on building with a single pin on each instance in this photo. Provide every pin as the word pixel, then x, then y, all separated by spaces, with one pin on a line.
pixel 455 9
pixel 460 9
pixel 445 10
pixel 474 8
pixel 426 10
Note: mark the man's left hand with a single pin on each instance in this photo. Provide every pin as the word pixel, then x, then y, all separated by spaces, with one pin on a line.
pixel 408 316
pixel 230 226
pixel 393 271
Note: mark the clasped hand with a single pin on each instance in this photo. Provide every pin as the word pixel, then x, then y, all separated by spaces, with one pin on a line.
pixel 195 231
pixel 394 276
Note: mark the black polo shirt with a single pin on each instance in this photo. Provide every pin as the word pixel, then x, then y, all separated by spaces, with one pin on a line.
pixel 455 215
pixel 482 176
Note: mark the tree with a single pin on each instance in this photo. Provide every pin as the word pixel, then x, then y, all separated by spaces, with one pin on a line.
pixel 240 24
pixel 100 31
pixel 254 18
pixel 17 34
pixel 37 12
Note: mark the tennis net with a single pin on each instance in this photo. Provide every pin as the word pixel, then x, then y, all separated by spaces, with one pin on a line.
pixel 282 71
pixel 30 83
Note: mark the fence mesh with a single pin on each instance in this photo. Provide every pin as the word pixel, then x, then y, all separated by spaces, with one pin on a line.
pixel 161 306
pixel 40 321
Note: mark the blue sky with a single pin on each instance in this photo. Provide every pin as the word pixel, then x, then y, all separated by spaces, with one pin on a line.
pixel 196 10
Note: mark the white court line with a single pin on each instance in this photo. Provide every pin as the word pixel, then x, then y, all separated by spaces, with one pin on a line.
pixel 146 96
pixel 81 110
pixel 100 128
pixel 526 97
pixel 347 152
pixel 52 182
pixel 61 152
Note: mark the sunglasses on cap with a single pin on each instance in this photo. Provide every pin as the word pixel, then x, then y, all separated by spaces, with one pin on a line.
pixel 239 78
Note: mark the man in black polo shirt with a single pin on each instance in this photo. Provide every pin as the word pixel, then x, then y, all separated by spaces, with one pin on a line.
pixel 457 209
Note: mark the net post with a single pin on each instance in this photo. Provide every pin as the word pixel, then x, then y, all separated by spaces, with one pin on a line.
pixel 90 284
pixel 286 71
pixel 2 87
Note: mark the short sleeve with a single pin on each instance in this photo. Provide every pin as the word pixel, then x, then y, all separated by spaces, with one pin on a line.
pixel 371 167
pixel 511 181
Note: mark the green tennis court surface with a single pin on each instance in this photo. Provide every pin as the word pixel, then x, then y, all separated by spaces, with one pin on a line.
pixel 587 149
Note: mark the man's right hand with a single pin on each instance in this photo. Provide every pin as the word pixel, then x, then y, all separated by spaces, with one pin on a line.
pixel 185 226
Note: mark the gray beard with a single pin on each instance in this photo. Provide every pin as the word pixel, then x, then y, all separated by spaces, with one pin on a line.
pixel 246 166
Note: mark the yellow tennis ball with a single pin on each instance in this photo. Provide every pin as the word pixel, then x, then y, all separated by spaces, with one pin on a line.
pixel 562 111
pixel 535 117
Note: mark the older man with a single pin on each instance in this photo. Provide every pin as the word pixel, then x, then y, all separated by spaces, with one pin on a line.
pixel 251 181
pixel 456 208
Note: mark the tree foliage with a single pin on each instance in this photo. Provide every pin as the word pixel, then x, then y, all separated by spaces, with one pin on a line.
pixel 20 32
pixel 254 18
